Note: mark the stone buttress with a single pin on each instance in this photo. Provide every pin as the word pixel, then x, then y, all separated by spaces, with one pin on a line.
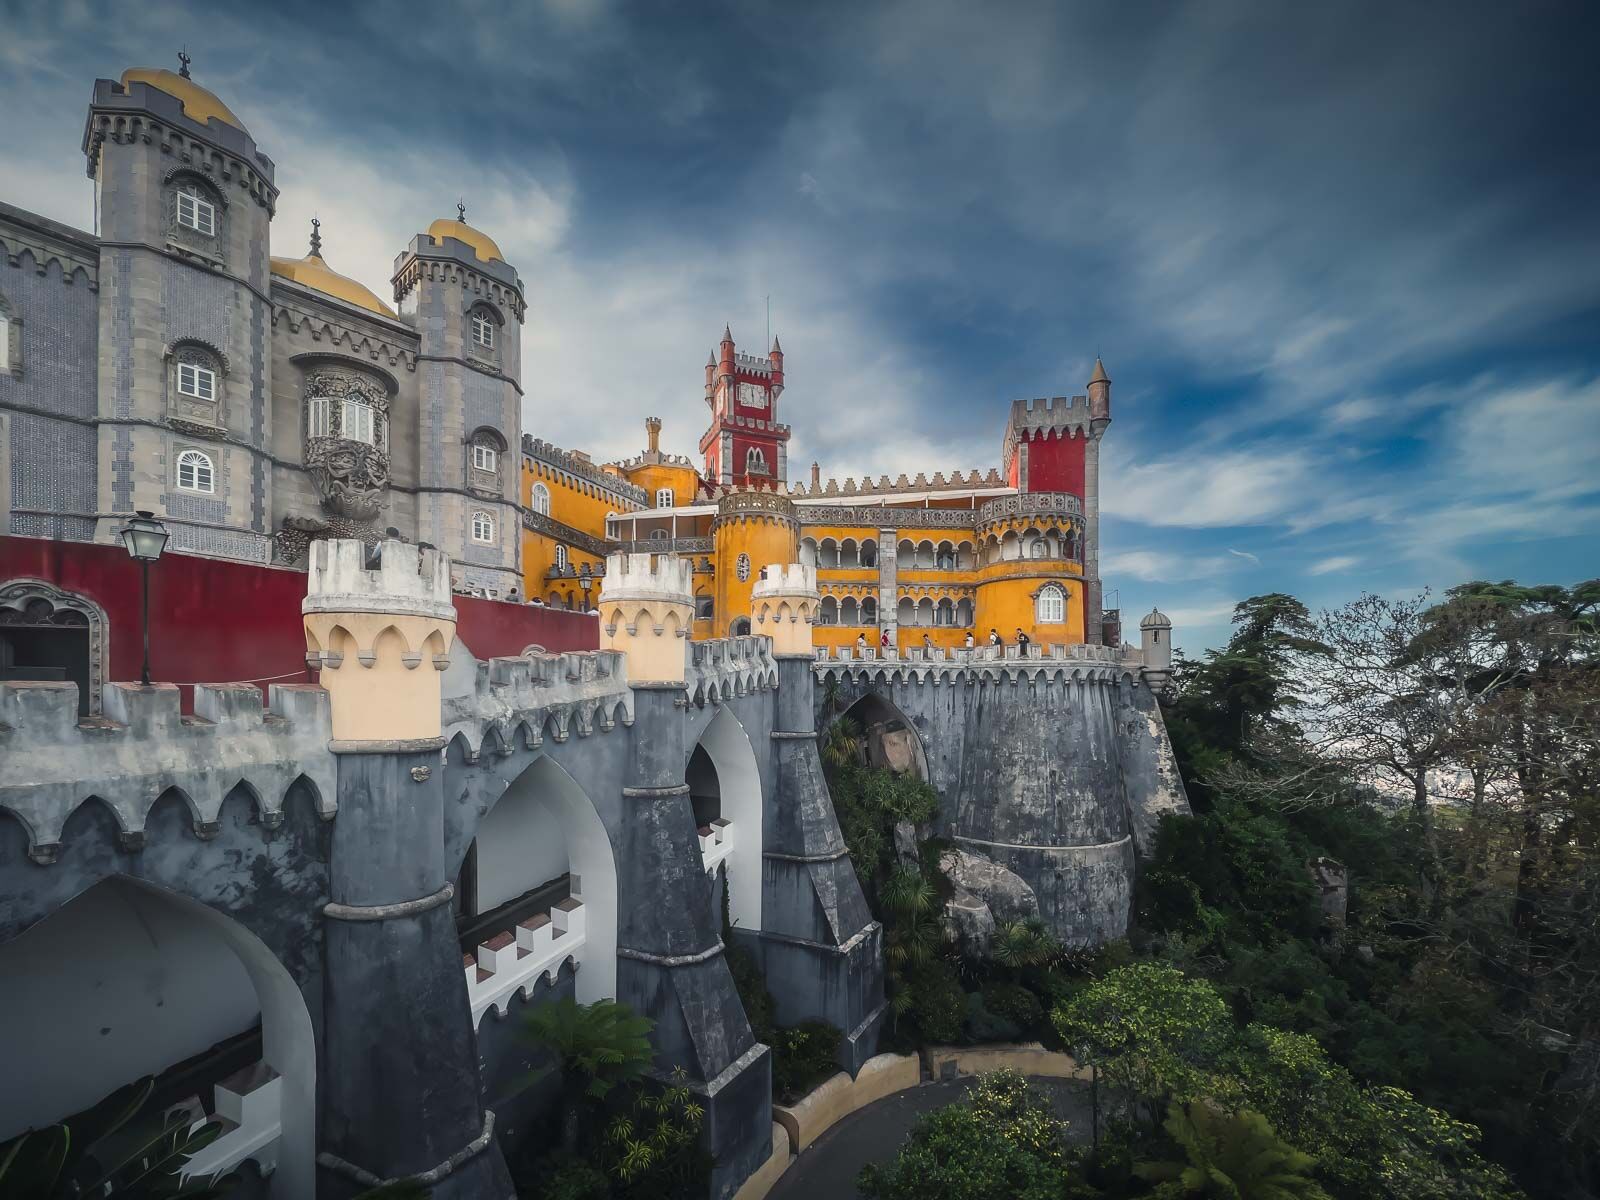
pixel 670 961
pixel 400 1094
pixel 819 944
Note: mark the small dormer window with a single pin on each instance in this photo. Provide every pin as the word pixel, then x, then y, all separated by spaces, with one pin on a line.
pixel 198 214
pixel 483 330
pixel 482 527
pixel 485 457
pixel 197 381
pixel 665 498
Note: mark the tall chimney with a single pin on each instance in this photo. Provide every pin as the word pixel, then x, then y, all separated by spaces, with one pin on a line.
pixel 652 432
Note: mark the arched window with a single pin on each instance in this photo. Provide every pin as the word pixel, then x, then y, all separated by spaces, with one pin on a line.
pixel 755 462
pixel 196 211
pixel 561 558
pixel 1051 606
pixel 828 611
pixel 869 611
pixel 1039 548
pixel 665 498
pixel 541 500
pixel 482 526
pixel 658 535
pixel 482 330
pixel 740 627
pixel 743 568
pixel 195 472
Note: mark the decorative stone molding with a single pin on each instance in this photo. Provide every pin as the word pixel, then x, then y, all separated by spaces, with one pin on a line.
pixel 351 476
pixel 380 637
pixel 726 668
pixel 887 518
pixel 28 601
pixel 576 538
pixel 523 702
pixel 1030 503
pixel 754 505
pixel 556 458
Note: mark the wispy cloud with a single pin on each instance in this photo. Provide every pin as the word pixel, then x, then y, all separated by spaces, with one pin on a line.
pixel 1327 566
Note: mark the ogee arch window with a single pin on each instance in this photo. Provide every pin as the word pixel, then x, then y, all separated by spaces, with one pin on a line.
pixel 1051 607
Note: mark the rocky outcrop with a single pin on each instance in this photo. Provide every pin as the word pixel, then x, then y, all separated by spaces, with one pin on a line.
pixel 986 896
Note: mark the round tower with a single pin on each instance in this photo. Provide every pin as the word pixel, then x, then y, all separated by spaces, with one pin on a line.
pixel 1155 644
pixel 646 611
pixel 380 634
pixel 1031 568
pixel 785 603
pixel 751 529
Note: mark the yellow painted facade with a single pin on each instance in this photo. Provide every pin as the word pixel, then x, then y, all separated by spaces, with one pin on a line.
pixel 999 561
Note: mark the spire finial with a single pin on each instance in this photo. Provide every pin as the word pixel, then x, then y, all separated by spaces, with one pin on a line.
pixel 316 238
pixel 183 62
pixel 461 210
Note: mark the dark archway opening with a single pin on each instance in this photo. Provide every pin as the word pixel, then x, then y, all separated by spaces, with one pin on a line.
pixel 888 739
pixel 705 792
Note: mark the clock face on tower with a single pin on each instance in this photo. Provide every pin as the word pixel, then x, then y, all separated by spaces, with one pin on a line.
pixel 752 395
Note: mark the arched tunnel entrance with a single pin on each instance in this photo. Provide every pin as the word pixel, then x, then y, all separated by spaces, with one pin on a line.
pixel 128 980
pixel 538 886
pixel 888 738
pixel 725 790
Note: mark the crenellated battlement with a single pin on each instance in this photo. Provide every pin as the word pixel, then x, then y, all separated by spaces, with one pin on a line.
pixel 1107 664
pixel 526 700
pixel 143 748
pixel 407 580
pixel 784 603
pixel 648 577
pixel 940 482
pixel 728 667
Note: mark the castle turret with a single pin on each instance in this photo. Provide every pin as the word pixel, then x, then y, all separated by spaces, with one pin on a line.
pixel 745 445
pixel 646 611
pixel 1099 390
pixel 751 528
pixel 1155 644
pixel 784 604
pixel 187 200
pixel 466 302
pixel 777 368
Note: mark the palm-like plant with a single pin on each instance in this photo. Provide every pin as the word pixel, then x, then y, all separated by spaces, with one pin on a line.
pixel 596 1046
pixel 1231 1156
pixel 842 743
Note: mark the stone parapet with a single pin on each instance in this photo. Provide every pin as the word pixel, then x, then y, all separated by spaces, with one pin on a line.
pixel 143 747
pixel 723 668
pixel 526 700
pixel 647 611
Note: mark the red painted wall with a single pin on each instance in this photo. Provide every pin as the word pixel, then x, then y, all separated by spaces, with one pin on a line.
pixel 1055 464
pixel 222 622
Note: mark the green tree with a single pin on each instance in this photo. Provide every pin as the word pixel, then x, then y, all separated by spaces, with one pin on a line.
pixel 596 1046
pixel 1230 1156
pixel 1152 1031
pixel 1002 1141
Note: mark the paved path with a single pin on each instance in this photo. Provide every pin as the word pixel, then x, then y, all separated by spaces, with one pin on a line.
pixel 829 1166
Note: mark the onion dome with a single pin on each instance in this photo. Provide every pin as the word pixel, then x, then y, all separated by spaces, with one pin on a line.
pixel 199 105
pixel 1156 619
pixel 315 274
pixel 482 244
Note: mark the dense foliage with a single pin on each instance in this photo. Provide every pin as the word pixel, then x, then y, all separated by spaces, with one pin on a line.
pixel 1002 1140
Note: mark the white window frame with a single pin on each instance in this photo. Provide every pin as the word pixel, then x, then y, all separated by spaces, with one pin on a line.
pixel 199 382
pixel 482 528
pixel 199 214
pixel 561 557
pixel 1051 606
pixel 5 340
pixel 483 330
pixel 364 428
pixel 540 500
pixel 485 457
pixel 319 416
pixel 666 498
pixel 201 471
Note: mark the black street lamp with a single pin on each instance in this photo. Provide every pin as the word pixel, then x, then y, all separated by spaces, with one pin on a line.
pixel 145 537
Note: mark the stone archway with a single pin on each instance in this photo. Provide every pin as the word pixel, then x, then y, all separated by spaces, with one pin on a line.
pixel 540 845
pixel 891 740
pixel 129 979
pixel 49 633
pixel 723 767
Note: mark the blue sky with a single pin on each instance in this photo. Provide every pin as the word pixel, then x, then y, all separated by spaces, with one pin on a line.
pixel 1342 261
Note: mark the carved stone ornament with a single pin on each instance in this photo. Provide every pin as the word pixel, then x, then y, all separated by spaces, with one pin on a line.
pixel 350 476
pixel 36 602
pixel 297 533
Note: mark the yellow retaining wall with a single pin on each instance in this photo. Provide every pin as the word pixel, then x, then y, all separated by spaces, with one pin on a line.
pixel 1028 1058
pixel 840 1096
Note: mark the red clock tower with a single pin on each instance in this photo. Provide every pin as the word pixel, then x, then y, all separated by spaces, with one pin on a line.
pixel 745 445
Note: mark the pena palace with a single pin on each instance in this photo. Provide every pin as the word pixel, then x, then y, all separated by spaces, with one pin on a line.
pixel 915 561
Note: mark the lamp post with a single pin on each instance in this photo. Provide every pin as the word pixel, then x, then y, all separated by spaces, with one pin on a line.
pixel 145 537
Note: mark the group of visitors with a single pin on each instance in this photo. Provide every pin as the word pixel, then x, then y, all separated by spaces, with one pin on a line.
pixel 1023 640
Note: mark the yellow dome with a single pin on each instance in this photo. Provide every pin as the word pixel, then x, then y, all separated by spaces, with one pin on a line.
pixel 482 244
pixel 198 104
pixel 313 273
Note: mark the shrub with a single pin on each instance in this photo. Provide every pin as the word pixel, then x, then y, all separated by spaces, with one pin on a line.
pixel 802 1057
pixel 1015 1003
pixel 937 1005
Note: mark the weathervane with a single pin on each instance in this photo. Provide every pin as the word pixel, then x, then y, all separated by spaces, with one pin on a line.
pixel 316 238
pixel 184 60
pixel 461 208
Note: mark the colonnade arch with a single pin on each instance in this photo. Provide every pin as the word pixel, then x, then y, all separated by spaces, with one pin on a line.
pixel 129 979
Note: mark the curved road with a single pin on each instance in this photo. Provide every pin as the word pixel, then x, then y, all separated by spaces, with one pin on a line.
pixel 829 1166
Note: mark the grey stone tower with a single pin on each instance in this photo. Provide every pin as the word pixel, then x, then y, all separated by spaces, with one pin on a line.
pixel 184 202
pixel 466 303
